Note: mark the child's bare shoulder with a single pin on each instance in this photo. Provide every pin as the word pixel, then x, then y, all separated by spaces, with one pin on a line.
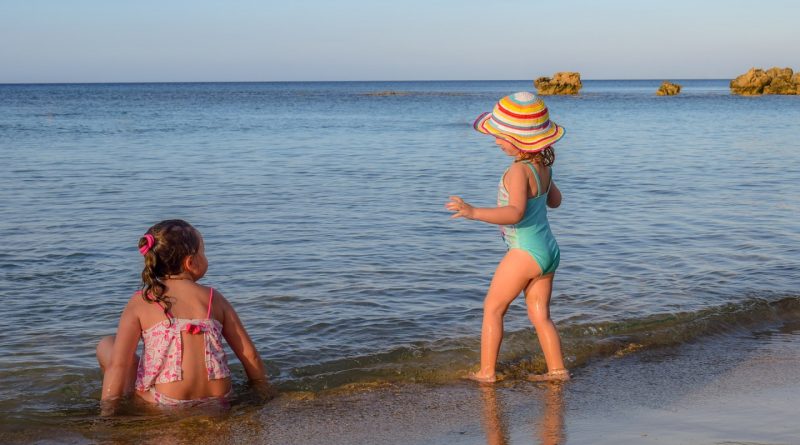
pixel 218 296
pixel 519 169
pixel 518 166
pixel 135 302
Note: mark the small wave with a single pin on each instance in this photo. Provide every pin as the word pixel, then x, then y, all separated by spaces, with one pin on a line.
pixel 444 360
pixel 53 394
pixel 55 114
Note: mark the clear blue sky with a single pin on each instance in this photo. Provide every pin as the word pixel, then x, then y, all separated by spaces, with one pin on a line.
pixel 249 40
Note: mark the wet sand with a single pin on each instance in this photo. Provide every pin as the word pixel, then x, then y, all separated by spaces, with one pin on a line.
pixel 739 388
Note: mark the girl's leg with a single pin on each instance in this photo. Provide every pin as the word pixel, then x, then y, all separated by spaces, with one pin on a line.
pixel 537 297
pixel 512 275
pixel 104 350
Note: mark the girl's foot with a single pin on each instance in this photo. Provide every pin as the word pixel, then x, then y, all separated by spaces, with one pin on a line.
pixel 481 379
pixel 556 375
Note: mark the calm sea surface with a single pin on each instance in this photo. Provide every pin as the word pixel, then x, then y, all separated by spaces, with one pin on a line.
pixel 321 205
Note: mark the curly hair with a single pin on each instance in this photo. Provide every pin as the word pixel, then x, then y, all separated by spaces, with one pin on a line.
pixel 545 157
pixel 174 240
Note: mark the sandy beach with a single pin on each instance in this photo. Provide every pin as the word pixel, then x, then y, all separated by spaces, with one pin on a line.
pixel 735 388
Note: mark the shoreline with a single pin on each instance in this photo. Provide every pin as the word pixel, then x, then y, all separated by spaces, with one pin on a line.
pixel 738 387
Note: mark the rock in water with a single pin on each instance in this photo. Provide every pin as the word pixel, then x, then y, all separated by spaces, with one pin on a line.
pixel 562 83
pixel 668 89
pixel 772 81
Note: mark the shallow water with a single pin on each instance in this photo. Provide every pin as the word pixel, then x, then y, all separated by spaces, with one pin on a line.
pixel 322 209
pixel 739 387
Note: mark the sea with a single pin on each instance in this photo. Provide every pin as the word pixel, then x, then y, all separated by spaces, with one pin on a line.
pixel 322 209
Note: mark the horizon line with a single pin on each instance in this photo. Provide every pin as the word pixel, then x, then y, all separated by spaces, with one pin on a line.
pixel 344 81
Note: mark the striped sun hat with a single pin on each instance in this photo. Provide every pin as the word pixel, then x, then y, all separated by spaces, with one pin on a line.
pixel 523 120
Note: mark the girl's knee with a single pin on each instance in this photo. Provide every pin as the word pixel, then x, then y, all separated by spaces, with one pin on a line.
pixel 104 348
pixel 494 308
pixel 106 342
pixel 539 318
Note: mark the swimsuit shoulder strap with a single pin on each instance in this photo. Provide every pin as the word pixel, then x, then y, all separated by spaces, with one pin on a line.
pixel 163 308
pixel 210 298
pixel 166 312
pixel 536 175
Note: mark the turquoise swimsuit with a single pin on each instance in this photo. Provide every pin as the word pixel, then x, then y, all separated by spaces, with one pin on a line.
pixel 532 234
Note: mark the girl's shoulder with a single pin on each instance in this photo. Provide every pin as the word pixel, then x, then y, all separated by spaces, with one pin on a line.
pixel 135 307
pixel 519 167
pixel 137 304
pixel 523 169
pixel 136 299
pixel 219 304
pixel 532 167
pixel 220 300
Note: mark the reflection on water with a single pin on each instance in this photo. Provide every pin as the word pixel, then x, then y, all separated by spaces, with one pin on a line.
pixel 548 425
pixel 496 428
pixel 198 427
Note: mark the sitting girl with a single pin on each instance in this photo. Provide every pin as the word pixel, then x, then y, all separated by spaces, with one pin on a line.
pixel 182 324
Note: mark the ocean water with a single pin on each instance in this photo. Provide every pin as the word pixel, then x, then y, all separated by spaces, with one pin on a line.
pixel 321 205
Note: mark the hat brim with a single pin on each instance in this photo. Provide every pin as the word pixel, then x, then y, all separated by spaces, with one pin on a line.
pixel 486 125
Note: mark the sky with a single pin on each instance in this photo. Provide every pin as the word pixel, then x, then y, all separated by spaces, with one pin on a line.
pixel 43 41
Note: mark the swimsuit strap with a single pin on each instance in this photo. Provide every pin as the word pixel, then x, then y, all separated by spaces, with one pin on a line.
pixel 166 312
pixel 210 297
pixel 550 169
pixel 538 183
pixel 169 316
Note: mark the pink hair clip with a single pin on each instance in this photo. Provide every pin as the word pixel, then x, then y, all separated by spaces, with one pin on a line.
pixel 149 245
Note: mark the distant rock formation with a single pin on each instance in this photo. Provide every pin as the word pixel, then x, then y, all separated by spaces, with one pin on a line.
pixel 772 81
pixel 668 89
pixel 561 83
pixel 388 93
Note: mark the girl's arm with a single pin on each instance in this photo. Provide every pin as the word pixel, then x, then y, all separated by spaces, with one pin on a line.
pixel 554 197
pixel 122 359
pixel 517 186
pixel 236 335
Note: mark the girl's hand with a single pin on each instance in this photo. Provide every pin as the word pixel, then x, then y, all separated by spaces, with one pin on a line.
pixel 264 390
pixel 461 208
pixel 109 407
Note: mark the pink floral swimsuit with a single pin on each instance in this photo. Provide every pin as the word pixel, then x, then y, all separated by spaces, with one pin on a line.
pixel 163 346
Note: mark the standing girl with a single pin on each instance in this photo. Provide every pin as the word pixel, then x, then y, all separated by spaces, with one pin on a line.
pixel 523 130
pixel 182 324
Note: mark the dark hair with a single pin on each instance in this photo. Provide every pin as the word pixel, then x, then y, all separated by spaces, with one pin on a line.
pixel 174 240
pixel 545 157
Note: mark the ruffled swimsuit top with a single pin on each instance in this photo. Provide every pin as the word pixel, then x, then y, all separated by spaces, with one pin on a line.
pixel 163 349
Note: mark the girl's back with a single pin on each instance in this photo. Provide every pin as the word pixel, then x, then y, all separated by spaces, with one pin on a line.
pixel 188 340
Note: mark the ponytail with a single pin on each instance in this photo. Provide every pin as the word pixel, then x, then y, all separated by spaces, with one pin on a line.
pixel 152 289
pixel 164 247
